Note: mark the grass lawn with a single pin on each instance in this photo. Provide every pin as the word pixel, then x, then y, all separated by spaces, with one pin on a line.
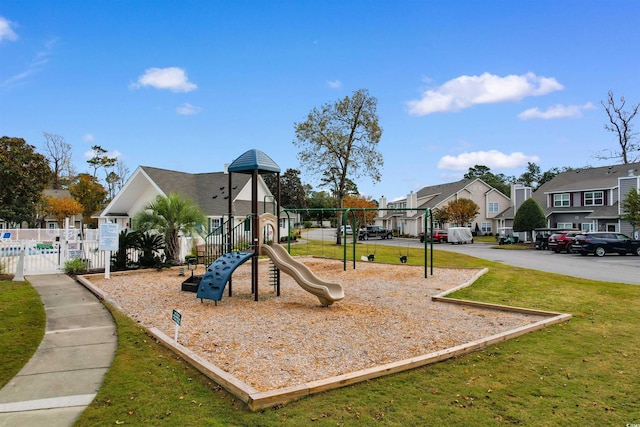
pixel 22 323
pixel 583 372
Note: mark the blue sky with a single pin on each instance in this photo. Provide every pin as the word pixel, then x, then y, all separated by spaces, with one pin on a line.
pixel 192 85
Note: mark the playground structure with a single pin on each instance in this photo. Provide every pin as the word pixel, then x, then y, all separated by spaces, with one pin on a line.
pixel 219 273
pixel 264 232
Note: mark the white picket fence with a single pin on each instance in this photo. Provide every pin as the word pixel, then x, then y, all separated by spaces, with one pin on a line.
pixel 47 251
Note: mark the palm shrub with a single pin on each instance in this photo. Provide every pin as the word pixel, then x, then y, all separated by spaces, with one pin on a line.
pixel 126 240
pixel 171 216
pixel 150 244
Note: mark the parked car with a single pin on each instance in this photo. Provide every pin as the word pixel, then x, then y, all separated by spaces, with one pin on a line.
pixel 601 243
pixel 562 241
pixel 374 231
pixel 342 230
pixel 542 236
pixel 439 236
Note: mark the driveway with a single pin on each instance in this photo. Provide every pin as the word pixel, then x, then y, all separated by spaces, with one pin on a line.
pixel 610 268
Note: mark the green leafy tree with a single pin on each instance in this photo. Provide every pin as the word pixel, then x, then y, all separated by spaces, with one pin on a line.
pixel 630 207
pixel 340 141
pixel 24 173
pixel 319 200
pixel 440 216
pixel 91 194
pixel 171 216
pixel 292 191
pixel 531 176
pixel 529 217
pixel 461 211
pixel 100 160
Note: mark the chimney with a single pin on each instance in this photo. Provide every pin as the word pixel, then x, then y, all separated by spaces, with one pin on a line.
pixel 226 168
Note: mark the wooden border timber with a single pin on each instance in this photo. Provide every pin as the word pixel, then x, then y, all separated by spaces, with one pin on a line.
pixel 256 400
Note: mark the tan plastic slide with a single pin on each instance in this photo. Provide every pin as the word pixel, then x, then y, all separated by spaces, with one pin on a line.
pixel 327 292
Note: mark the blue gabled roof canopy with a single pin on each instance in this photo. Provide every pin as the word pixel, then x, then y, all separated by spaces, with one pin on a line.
pixel 252 160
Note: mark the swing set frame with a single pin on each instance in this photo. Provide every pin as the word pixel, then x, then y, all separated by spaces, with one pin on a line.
pixel 349 213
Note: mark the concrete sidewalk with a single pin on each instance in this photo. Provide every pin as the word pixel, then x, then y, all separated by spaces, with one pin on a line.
pixel 67 370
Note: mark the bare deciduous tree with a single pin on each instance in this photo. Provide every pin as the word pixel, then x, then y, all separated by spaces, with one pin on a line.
pixel 620 125
pixel 58 152
pixel 122 170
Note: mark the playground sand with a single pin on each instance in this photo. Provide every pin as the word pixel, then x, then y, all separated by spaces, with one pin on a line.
pixel 386 316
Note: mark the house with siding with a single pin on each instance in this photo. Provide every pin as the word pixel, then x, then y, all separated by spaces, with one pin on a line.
pixel 589 199
pixel 406 216
pixel 209 191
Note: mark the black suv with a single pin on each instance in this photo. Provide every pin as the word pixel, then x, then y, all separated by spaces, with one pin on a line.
pixel 601 243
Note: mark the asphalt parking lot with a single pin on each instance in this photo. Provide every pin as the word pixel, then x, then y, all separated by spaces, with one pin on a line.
pixel 610 268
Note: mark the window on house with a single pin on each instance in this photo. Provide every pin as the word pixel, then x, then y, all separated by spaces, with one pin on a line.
pixel 594 198
pixel 52 225
pixel 560 200
pixel 486 227
pixel 586 226
pixel 565 225
pixel 493 207
pixel 214 224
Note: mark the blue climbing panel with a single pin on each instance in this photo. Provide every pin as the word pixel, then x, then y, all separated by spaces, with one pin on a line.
pixel 218 274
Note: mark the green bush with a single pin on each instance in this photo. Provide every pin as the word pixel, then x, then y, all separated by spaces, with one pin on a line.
pixel 75 266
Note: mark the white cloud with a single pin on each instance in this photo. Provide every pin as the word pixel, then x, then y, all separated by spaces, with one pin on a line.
pixel 556 112
pixel 88 137
pixel 335 84
pixel 6 32
pixel 466 91
pixel 493 159
pixel 187 109
pixel 173 78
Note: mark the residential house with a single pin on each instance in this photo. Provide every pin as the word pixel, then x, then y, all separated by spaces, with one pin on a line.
pixel 209 191
pixel 406 216
pixel 50 222
pixel 589 199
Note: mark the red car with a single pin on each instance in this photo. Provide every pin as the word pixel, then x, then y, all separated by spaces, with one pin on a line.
pixel 562 241
pixel 438 236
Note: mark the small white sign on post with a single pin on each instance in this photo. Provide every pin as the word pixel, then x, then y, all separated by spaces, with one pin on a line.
pixel 108 241
pixel 177 317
